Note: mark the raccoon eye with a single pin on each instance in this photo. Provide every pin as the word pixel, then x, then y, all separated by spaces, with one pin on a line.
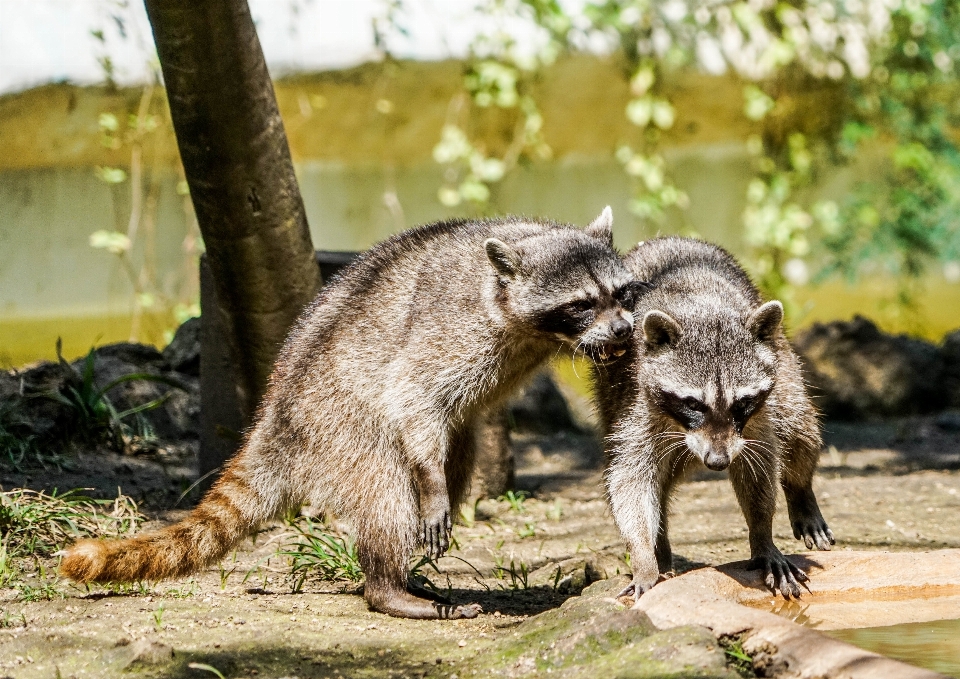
pixel 695 405
pixel 581 305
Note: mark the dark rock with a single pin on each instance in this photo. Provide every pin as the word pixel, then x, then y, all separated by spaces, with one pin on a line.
pixel 950 351
pixel 183 352
pixel 856 371
pixel 540 408
pixel 143 652
pixel 28 412
pixel 144 356
pixel 178 416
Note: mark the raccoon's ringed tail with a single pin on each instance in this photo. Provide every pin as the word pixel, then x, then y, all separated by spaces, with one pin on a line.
pixel 222 519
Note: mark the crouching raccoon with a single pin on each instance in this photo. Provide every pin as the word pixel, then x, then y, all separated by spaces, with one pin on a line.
pixel 709 378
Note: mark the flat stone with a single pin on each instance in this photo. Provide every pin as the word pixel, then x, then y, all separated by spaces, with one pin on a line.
pixel 849 589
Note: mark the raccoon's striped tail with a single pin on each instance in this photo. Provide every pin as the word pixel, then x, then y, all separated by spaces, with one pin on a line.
pixel 227 513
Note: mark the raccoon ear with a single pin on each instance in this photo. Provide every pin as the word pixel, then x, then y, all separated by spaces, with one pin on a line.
pixel 764 323
pixel 503 258
pixel 602 226
pixel 659 329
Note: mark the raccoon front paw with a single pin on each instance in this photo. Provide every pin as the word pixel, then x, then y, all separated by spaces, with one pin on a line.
pixel 435 533
pixel 637 588
pixel 813 530
pixel 779 574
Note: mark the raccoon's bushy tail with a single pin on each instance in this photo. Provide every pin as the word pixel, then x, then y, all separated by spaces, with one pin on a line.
pixel 227 513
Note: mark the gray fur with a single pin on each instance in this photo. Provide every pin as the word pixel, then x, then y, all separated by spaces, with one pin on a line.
pixel 370 409
pixel 707 340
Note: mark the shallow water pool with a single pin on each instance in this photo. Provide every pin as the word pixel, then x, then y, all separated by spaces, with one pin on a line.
pixel 932 645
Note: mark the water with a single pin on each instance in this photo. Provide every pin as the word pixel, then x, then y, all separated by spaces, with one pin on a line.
pixel 931 645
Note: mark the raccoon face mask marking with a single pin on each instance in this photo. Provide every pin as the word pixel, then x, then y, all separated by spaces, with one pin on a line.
pixel 699 385
pixel 575 289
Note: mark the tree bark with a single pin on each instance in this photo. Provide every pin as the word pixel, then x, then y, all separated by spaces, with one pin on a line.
pixel 237 164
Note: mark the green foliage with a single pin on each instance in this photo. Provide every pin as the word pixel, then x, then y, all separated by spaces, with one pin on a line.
pixel 94 416
pixel 515 500
pixel 514 576
pixel 824 84
pixel 737 658
pixel 314 550
pixel 35 525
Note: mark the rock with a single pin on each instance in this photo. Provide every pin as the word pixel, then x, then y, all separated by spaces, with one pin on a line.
pixel 27 412
pixel 950 351
pixel 856 371
pixel 594 636
pixel 540 408
pixel 143 652
pixel 183 352
pixel 177 417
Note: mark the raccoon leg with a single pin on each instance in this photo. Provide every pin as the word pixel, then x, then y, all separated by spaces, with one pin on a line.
pixel 805 517
pixel 754 481
pixel 635 501
pixel 387 525
pixel 427 450
pixel 459 465
pixel 663 551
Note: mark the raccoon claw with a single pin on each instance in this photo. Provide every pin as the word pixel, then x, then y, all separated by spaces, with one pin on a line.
pixel 814 533
pixel 435 535
pixel 466 612
pixel 780 574
pixel 634 590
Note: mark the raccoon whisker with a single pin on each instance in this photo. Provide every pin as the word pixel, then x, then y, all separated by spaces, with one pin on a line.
pixel 748 460
pixel 668 434
pixel 682 456
pixel 763 444
pixel 676 445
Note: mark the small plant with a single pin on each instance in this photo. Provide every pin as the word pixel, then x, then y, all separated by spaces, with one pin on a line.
pixel 7 620
pixel 185 591
pixel 158 617
pixel 555 511
pixel 737 658
pixel 314 550
pixel 207 668
pixel 35 525
pixel 95 418
pixel 515 575
pixel 515 500
pixel 225 575
pixel 528 531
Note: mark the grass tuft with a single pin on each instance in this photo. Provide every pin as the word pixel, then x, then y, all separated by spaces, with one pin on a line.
pixel 316 551
pixel 737 658
pixel 35 525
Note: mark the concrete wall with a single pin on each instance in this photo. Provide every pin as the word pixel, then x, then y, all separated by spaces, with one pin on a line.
pixel 348 157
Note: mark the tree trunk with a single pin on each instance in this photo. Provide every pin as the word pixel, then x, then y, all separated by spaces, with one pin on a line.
pixel 238 166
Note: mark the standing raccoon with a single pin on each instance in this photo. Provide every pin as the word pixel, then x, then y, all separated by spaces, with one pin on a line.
pixel 369 410
pixel 712 377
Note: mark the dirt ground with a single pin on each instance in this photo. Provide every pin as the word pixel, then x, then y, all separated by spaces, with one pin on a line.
pixel 888 485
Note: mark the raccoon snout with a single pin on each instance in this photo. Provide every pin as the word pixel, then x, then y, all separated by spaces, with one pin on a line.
pixel 620 328
pixel 716 460
pixel 713 457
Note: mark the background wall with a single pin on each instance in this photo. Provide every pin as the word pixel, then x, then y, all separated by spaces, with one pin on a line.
pixel 362 141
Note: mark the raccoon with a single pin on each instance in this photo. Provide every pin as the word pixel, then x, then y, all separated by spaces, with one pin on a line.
pixel 709 377
pixel 369 410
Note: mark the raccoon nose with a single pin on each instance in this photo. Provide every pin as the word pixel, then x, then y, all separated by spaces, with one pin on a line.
pixel 620 328
pixel 716 461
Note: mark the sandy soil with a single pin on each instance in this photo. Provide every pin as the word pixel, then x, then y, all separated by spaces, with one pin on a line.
pixel 889 485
